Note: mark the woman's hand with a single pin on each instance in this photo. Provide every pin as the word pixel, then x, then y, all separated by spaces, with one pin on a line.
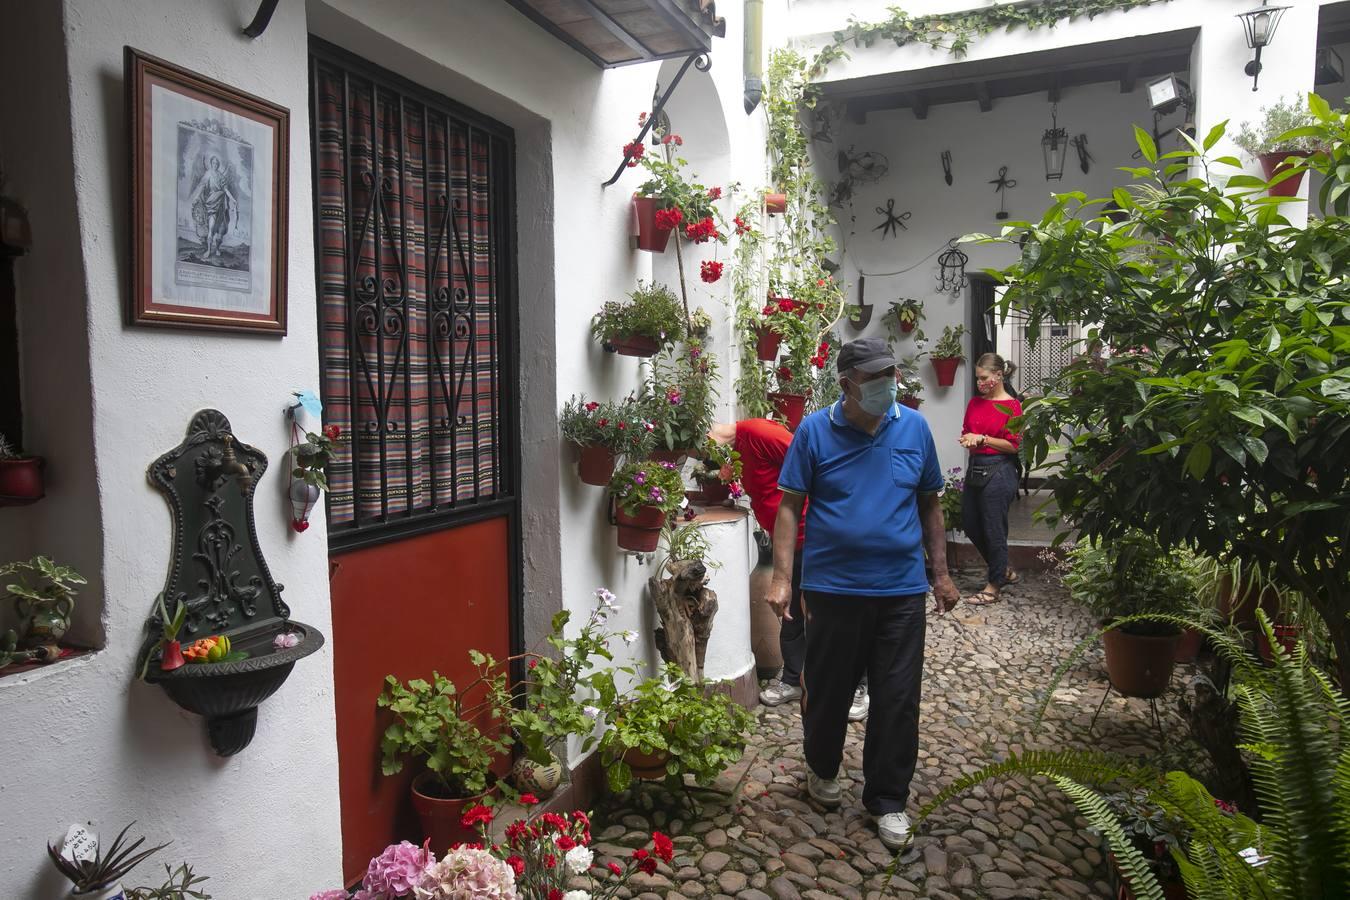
pixel 972 440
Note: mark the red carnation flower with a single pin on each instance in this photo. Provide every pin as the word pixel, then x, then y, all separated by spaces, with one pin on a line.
pixel 603 422
pixel 633 152
pixel 668 218
pixel 550 861
pixel 648 866
pixel 710 271
pixel 616 868
pixel 474 815
pixel 640 854
pixel 663 846
pixel 592 406
pixel 529 800
pixel 565 843
pixel 714 193
pixel 517 865
pixel 331 432
pixel 555 894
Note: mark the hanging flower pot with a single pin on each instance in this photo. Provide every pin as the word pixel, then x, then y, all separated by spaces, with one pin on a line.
pixel 634 345
pixel 596 465
pixel 1139 665
pixel 674 457
pixel 711 492
pixel 303 497
pixel 907 325
pixel 651 237
pixel 640 532
pixel 766 343
pixel 21 480
pixel 790 407
pixel 945 368
pixel 911 401
pixel 1271 165
pixel 775 203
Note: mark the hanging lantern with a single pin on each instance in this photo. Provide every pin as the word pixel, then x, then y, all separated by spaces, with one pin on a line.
pixel 1259 27
pixel 952 270
pixel 1054 146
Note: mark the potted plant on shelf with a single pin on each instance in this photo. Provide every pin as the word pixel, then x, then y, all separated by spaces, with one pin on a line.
pixel 909 384
pixel 678 400
pixel 794 387
pixel 44 597
pixel 21 480
pixel 947 355
pixel 646 493
pixel 719 476
pixel 95 874
pixel 1133 576
pixel 1271 143
pixel 650 318
pixel 602 432
pixel 668 727
pixel 667 201
pixel 434 724
pixel 904 315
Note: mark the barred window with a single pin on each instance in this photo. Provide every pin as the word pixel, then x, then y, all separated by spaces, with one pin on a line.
pixel 413 248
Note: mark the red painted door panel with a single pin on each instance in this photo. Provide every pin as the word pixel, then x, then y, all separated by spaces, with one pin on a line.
pixel 405 608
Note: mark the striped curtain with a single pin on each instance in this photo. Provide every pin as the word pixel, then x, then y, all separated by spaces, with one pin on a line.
pixel 408 289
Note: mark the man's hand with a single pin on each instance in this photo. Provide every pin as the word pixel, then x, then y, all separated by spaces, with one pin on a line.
pixel 779 598
pixel 944 591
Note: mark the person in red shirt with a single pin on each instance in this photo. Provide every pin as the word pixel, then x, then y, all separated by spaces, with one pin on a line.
pixel 763 445
pixel 992 474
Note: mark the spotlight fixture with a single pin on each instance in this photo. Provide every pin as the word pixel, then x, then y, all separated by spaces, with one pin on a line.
pixel 1259 25
pixel 1329 67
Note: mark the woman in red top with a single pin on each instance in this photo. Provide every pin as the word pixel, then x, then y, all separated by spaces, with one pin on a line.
pixel 991 476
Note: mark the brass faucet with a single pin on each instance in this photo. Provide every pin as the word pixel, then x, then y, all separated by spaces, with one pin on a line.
pixel 230 465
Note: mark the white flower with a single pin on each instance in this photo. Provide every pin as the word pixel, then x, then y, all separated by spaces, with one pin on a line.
pixel 591 712
pixel 577 895
pixel 629 636
pixel 579 860
pixel 606 598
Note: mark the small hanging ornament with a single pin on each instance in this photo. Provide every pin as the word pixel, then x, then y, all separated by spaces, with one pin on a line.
pixel 1001 186
pixel 952 270
pixel 1054 146
pixel 1084 158
pixel 893 221
pixel 947 167
pixel 309 456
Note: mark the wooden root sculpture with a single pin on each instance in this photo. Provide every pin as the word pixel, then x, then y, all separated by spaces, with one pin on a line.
pixel 687 606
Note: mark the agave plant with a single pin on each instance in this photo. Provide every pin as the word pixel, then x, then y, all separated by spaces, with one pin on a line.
pixel 1294 725
pixel 105 868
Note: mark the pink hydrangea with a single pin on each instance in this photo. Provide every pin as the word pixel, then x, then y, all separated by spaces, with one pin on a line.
pixel 468 874
pixel 336 894
pixel 395 872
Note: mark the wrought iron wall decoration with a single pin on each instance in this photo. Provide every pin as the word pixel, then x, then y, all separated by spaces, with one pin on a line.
pixel 858 321
pixel 893 221
pixel 1084 158
pixel 952 270
pixel 1002 184
pixel 217 572
pixel 856 169
pixel 1054 146
pixel 700 61
pixel 947 167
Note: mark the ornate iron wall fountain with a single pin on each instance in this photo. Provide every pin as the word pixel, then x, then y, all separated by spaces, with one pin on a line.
pixel 218 572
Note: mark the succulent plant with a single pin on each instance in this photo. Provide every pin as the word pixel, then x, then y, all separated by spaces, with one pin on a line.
pixel 105 868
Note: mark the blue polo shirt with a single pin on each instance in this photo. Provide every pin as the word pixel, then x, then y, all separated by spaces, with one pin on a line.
pixel 863 535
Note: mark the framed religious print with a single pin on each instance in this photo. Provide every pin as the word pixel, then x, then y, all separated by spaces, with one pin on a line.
pixel 209 171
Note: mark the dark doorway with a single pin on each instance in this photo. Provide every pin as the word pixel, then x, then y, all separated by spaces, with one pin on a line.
pixel 982 324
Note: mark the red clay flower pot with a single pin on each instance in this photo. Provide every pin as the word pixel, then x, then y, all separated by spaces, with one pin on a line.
pixel 1286 635
pixel 649 766
pixel 440 817
pixel 711 492
pixel 1188 648
pixel 1270 163
pixel 911 402
pixel 674 457
pixel 596 465
pixel 790 407
pixel 775 203
pixel 766 343
pixel 907 327
pixel 640 532
pixel 1139 665
pixel 945 367
pixel 21 481
pixel 650 236
pixel 634 345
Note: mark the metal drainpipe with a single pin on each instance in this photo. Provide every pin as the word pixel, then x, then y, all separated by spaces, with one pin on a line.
pixel 754 44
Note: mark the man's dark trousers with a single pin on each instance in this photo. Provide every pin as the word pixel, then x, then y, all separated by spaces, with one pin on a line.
pixel 847 636
pixel 792 634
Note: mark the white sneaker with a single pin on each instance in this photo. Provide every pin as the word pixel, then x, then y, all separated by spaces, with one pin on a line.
pixel 893 829
pixel 825 791
pixel 778 693
pixel 858 711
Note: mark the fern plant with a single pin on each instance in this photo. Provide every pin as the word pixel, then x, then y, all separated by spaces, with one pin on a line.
pixel 1294 729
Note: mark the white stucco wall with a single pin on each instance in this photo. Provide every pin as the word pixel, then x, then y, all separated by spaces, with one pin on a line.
pixel 84 740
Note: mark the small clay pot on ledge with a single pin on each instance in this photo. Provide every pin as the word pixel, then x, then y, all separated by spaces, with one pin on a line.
pixel 22 481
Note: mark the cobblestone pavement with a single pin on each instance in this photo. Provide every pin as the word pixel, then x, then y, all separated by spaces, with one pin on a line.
pixel 758 837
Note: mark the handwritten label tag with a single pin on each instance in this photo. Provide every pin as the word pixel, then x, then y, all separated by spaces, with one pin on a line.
pixel 81 844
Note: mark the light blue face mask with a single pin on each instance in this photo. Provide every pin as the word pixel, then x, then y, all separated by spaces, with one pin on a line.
pixel 876 396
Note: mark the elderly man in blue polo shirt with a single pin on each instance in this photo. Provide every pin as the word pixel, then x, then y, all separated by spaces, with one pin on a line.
pixel 871 472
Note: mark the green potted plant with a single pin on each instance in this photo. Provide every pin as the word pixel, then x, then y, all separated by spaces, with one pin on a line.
pixel 904 315
pixel 1282 133
pixel 909 384
pixel 953 484
pixel 719 476
pixel 646 493
pixel 44 597
pixel 21 480
pixel 679 400
pixel 667 200
pixel 947 355
pixel 651 317
pixel 95 874
pixel 1132 575
pixel 1153 832
pixel 309 466
pixel 602 432
pixel 668 727
pixel 434 724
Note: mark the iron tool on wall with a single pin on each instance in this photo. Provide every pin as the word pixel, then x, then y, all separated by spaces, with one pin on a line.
pixel 1001 186
pixel 893 221
pixel 1084 158
pixel 947 167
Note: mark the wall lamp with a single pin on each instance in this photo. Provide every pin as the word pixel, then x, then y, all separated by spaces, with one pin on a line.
pixel 1259 24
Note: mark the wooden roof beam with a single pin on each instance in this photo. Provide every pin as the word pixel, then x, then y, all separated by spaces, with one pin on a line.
pixel 918 102
pixel 982 96
pixel 1129 77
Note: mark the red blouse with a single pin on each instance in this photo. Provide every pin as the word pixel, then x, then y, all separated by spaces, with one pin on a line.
pixel 984 417
pixel 762 445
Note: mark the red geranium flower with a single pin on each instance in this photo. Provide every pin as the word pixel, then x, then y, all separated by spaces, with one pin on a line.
pixel 714 193
pixel 784 372
pixel 710 271
pixel 474 815
pixel 768 310
pixel 786 304
pixel 331 432
pixel 701 231
pixel 673 139
pixel 633 151
pixel 533 663
pixel 669 218
pixel 741 227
